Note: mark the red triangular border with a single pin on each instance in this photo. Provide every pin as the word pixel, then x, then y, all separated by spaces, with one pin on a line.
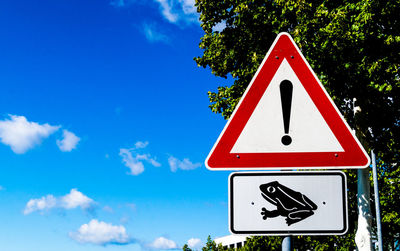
pixel 220 158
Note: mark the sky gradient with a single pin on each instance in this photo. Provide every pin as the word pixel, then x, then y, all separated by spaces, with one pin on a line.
pixel 105 126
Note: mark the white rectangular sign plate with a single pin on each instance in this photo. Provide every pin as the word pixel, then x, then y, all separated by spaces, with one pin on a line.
pixel 288 203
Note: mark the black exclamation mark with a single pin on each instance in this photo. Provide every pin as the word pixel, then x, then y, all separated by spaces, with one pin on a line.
pixel 286 88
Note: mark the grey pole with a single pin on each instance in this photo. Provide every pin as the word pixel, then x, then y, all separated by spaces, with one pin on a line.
pixel 363 234
pixel 287 243
pixel 377 205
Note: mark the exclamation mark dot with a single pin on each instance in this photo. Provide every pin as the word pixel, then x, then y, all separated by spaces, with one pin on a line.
pixel 286 88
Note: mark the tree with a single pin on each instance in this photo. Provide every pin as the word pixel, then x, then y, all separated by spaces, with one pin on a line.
pixel 256 243
pixel 211 245
pixel 354 48
pixel 186 248
pixel 260 243
pixel 389 187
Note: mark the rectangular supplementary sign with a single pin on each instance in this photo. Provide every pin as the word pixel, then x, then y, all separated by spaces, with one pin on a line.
pixel 288 203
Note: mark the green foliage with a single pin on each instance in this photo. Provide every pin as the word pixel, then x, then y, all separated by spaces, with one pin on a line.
pixel 260 243
pixel 389 187
pixel 212 246
pixel 186 248
pixel 322 243
pixel 353 47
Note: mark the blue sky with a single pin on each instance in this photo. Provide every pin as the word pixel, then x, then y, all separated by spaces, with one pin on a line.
pixel 105 126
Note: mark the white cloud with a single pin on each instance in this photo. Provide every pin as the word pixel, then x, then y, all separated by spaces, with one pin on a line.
pixel 194 243
pixel 135 166
pixel 148 158
pixel 178 11
pixel 153 35
pixel 184 164
pixel 70 201
pixel 162 243
pixel 141 144
pixel 2 188
pixel 166 10
pixel 101 233
pixel 188 6
pixel 174 11
pixel 69 141
pixel 76 199
pixel 134 160
pixel 42 204
pixel 22 135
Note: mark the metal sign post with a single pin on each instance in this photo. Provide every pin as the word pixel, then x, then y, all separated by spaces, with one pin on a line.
pixel 287 244
pixel 377 205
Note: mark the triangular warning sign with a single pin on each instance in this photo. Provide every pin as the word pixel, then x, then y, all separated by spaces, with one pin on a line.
pixel 286 120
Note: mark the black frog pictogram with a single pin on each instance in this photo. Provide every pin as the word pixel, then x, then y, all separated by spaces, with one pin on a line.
pixel 293 205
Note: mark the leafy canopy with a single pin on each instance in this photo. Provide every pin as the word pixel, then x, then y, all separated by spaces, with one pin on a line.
pixel 353 46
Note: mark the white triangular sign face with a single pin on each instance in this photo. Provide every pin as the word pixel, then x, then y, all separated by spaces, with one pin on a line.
pixel 265 128
pixel 286 119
